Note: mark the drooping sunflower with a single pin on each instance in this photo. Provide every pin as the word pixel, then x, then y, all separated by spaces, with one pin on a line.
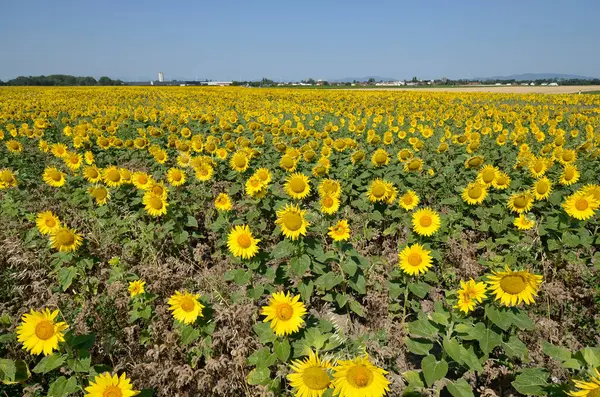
pixel 581 206
pixel 239 162
pixel 141 180
pixel 154 205
pixel 112 176
pixel 377 191
pixel 359 378
pixel 223 202
pixel 47 222
pixel 380 158
pixel 542 188
pixel 39 332
pixel 414 259
pixel 409 200
pixel 310 377
pixel 520 202
pixel 329 204
pixel 513 287
pixel 53 177
pixel 522 222
pixel 590 388
pixel 241 243
pixel 426 221
pixel 175 177
pixel 469 294
pixel 570 175
pixel 292 221
pixel 65 239
pixel 100 194
pixel 502 181
pixel 92 174
pixel 297 186
pixel 107 385
pixel 285 313
pixel 340 231
pixel 136 287
pixel 487 175
pixel 185 307
pixel 475 193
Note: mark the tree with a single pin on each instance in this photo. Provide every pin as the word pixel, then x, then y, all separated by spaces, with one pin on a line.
pixel 371 80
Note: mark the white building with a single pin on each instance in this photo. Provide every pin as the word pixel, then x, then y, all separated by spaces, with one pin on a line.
pixel 161 77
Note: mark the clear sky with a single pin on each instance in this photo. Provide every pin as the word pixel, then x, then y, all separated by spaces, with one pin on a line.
pixel 291 40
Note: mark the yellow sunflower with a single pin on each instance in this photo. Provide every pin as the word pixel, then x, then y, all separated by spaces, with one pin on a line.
pixel 310 377
pixel 380 158
pixel 92 174
pixel 158 189
pixel 136 287
pixel 329 204
pixel 414 260
pixel 513 287
pixel 413 165
pixel 47 222
pixel 204 172
pixel 426 221
pixel 520 202
pixel 359 378
pixel 285 313
pixel 391 193
pixel 100 194
pixel 112 176
pixel 592 190
pixel 522 222
pixel 14 146
pixel 475 193
pixel 469 294
pixel 141 180
pixel 409 200
pixel 474 162
pixel 239 161
pixel 542 188
pixel 378 191
pixel 73 161
pixel 570 175
pixel 223 202
pixel 154 205
pixel 107 385
pixel 502 181
pixel 288 163
pixel 264 175
pixel 59 149
pixel 175 177
pixel 7 179
pixel 185 306
pixel 487 175
pixel 589 388
pixel 581 206
pixel 297 186
pixel 241 243
pixel 340 231
pixel 292 221
pixel 53 177
pixel 254 186
pixel 39 332
pixel 89 158
pixel 65 239
pixel 538 167
pixel 330 187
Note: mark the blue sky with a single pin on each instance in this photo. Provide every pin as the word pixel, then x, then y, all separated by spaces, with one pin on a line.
pixel 285 40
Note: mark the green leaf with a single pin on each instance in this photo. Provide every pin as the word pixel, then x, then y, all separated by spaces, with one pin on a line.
pixel 349 267
pixel 570 239
pixel 65 277
pixel 471 360
pixel 182 237
pixel 522 321
pixel 283 249
pixel 514 347
pixel 357 308
pixel 460 388
pixel 262 358
pixel 62 387
pixel 502 318
pixel 419 347
pixel 433 370
pixel 413 378
pixel 341 300
pixel 264 332
pixel 591 355
pixel 259 376
pixel 306 290
pixel 299 266
pixel 49 363
pixel 489 341
pixel 453 348
pixel 420 289
pixel 531 381
pixel 556 352
pixel 282 350
pixel 189 334
pixel 192 222
pixel 423 328
pixel 8 370
pixel 572 363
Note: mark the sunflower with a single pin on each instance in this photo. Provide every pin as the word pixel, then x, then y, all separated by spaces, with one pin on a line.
pixel 92 174
pixel 474 162
pixel 100 194
pixel 357 156
pixel 542 188
pixel 107 385
pixel 14 146
pixel 475 193
pixel 581 206
pixel 380 158
pixel 154 205
pixel 409 200
pixel 125 175
pixel 340 231
pixel 47 222
pixel 73 161
pixel 567 156
pixel 223 202
pixel 413 165
pixel 160 156
pixel 589 388
pixel 523 223
pixel 570 175
pixel 310 377
pixel 39 332
pixel 239 161
pixel 7 179
pixel 204 172
pixel 288 163
pixel 53 177
pixel 185 306
pixel 538 167
pixel 65 239
pixel 469 294
pixel 390 192
pixel 158 189
pixel 359 378
pixel 487 175
pixel 285 313
pixel 112 176
pixel 414 260
pixel 175 177
pixel 292 221
pixel 502 181
pixel 520 202
pixel 426 221
pixel 329 204
pixel 241 243
pixel 254 186
pixel 297 186
pixel 264 175
pixel 136 287
pixel 377 191
pixel 141 180
pixel 330 187
pixel 513 287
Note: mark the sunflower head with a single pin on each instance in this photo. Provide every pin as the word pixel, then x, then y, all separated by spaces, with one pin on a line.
pixel 242 243
pixel 520 202
pixel 359 377
pixel 475 193
pixel 40 332
pixel 426 222
pixel 285 312
pixel 223 202
pixel 297 186
pixel 340 231
pixel 47 222
pixel 469 294
pixel 136 287
pixel 292 221
pixel 414 260
pixel 64 239
pixel 329 204
pixel 514 287
pixel 310 376
pixel 110 385
pixel 581 205
pixel 185 307
pixel 409 200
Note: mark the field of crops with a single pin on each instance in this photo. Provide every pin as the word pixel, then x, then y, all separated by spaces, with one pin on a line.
pixel 239 242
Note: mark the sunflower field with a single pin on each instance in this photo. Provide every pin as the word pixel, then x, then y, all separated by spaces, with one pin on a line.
pixel 183 241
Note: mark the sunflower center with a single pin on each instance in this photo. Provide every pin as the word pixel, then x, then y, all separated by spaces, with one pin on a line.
pixel 315 378
pixel 55 175
pixel 488 176
pixel 176 176
pixel 112 391
pixel 155 203
pixel 114 175
pixel 284 312
pixel 239 161
pixel 244 241
pixel 380 158
pixel 582 204
pixel 538 167
pixel 426 221
pixel 475 192
pixel 567 156
pixel 542 187
pixel 501 180
pixel 158 190
pixel 594 393
pixel 44 330
pixel 50 222
pixel 92 173
pixel 142 179
pixel 379 191
pixel 407 200
pixel 327 201
pixel 414 259
pixel 187 304
pixel 292 221
pixel 474 162
pixel 360 376
pixel 414 165
pixel 513 284
pixel 64 238
pixel 521 202
pixel 297 185
pixel 569 174
pixel 287 162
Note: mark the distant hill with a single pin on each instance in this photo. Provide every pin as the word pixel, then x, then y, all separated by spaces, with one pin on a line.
pixel 536 76
pixel 366 78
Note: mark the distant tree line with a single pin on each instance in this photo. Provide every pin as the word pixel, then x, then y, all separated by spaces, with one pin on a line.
pixel 61 80
pixel 265 82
